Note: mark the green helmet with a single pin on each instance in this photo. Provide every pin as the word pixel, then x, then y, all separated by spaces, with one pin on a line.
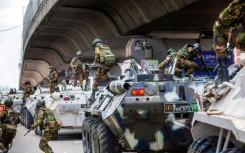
pixel 52 68
pixel 40 103
pixel 97 40
pixel 171 51
pixel 8 102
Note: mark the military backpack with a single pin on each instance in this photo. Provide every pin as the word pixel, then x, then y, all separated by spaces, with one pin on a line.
pixel 106 56
pixel 49 119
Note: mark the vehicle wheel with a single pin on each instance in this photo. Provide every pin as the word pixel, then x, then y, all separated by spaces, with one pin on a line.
pixel 104 140
pixel 24 116
pixel 233 150
pixel 21 116
pixel 204 145
pixel 86 136
pixel 29 119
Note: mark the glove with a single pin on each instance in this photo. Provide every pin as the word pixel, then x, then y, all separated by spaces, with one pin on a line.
pixel 33 127
pixel 230 47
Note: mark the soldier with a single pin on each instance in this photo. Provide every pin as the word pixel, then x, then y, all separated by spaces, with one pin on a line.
pixel 53 77
pixel 171 54
pixel 29 90
pixel 46 119
pixel 186 55
pixel 9 120
pixel 228 33
pixel 106 59
pixel 79 71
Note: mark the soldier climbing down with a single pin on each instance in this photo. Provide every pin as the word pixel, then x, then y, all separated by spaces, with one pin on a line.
pixel 79 71
pixel 228 32
pixel 106 59
pixel 46 119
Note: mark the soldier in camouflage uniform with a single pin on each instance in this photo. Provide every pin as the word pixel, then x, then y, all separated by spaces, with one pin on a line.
pixel 9 120
pixel 171 54
pixel 79 71
pixel 186 55
pixel 106 59
pixel 46 119
pixel 53 77
pixel 29 90
pixel 228 33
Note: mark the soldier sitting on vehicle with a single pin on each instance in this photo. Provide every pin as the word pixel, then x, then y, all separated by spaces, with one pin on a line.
pixel 186 55
pixel 79 71
pixel 171 54
pixel 9 120
pixel 46 119
pixel 53 77
pixel 29 90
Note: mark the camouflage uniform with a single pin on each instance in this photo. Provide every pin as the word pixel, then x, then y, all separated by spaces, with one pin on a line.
pixel 171 54
pixel 53 78
pixel 80 73
pixel 229 28
pixel 106 59
pixel 9 121
pixel 185 56
pixel 49 133
pixel 29 90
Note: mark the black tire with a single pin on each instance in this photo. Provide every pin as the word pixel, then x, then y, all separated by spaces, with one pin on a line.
pixel 233 150
pixel 21 115
pixel 204 145
pixel 24 116
pixel 105 141
pixel 40 131
pixel 29 119
pixel 95 143
pixel 86 136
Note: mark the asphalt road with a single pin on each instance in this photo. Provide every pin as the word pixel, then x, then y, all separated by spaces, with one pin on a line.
pixel 69 141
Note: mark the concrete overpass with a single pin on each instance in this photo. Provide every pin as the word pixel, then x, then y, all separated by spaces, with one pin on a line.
pixel 54 30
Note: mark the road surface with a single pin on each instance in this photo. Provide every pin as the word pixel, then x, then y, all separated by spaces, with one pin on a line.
pixel 69 141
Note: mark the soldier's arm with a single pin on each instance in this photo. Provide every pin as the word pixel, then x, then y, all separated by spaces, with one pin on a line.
pixel 72 65
pixel 40 117
pixel 97 55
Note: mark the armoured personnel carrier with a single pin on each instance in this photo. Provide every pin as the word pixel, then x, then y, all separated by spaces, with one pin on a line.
pixel 141 113
pixel 220 127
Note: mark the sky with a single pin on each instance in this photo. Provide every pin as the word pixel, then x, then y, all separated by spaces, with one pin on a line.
pixel 11 20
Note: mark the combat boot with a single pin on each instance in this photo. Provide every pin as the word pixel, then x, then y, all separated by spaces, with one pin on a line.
pixel 92 97
pixel 222 74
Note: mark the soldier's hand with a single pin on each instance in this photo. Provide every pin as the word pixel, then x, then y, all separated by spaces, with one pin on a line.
pixel 32 127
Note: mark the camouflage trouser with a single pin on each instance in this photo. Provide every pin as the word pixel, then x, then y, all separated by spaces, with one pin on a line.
pixel 46 137
pixel 52 86
pixel 81 76
pixel 101 74
pixel 189 67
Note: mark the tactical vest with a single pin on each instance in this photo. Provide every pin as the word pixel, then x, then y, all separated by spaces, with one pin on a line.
pixel 12 117
pixel 106 56
pixel 49 119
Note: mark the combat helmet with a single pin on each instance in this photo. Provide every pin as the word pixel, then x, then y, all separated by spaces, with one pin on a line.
pixel 40 103
pixel 171 51
pixel 8 102
pixel 197 47
pixel 79 53
pixel 97 40
pixel 52 68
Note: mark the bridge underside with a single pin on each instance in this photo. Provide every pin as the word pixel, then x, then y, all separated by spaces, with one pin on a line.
pixel 60 28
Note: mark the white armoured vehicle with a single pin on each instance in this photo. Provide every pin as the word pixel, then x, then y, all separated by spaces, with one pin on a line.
pixel 220 128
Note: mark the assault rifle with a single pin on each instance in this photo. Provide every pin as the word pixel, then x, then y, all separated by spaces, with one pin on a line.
pixel 28 131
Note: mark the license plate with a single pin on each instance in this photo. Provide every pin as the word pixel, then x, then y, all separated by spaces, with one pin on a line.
pixel 180 107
